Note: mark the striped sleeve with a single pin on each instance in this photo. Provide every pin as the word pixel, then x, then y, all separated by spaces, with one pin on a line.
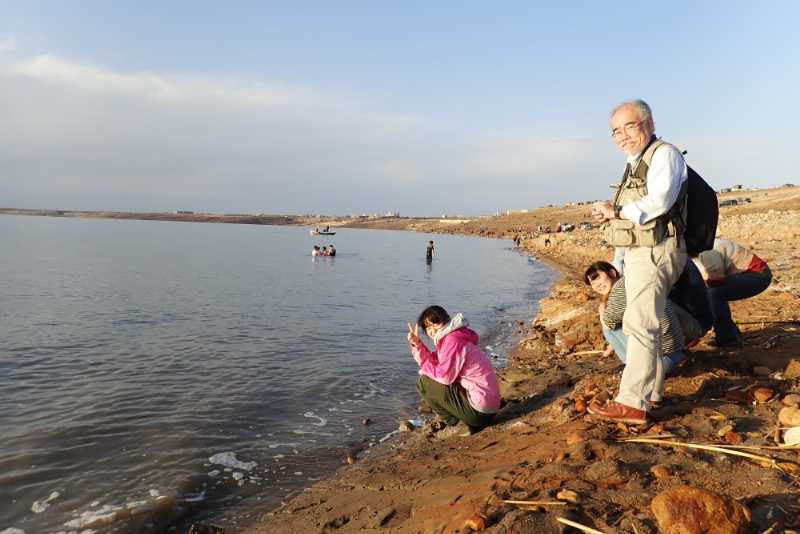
pixel 671 333
pixel 615 307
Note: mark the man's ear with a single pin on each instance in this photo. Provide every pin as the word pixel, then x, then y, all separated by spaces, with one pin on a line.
pixel 613 273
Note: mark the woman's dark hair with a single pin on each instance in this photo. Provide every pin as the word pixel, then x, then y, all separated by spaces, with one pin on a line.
pixel 432 315
pixel 599 267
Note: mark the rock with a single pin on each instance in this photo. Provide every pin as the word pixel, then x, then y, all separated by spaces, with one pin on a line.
pixel 742 397
pixel 407 426
pixel 792 370
pixel 609 470
pixel 733 438
pixel 655 429
pixel 560 457
pixel 477 522
pixel 761 370
pixel 568 495
pixel 424 409
pixel 792 436
pixel 206 529
pixel 365 422
pixel 661 471
pixel 762 394
pixel 580 405
pixel 583 297
pixel 724 430
pixel 351 460
pixel 688 510
pixel 792 399
pixel 789 416
pixel 578 436
pixel 785 295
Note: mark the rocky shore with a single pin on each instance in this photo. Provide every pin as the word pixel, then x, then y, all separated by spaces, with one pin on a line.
pixel 710 461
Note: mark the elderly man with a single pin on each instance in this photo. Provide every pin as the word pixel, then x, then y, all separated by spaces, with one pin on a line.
pixel 647 202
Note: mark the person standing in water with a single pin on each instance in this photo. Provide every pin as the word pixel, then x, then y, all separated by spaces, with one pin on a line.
pixel 429 253
pixel 331 251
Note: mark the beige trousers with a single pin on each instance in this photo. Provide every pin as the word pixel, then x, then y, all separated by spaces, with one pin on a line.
pixel 649 275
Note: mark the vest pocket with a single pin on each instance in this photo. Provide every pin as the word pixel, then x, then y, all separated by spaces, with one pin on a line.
pixel 624 233
pixel 618 232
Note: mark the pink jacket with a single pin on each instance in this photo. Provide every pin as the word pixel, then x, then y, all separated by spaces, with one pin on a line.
pixel 459 359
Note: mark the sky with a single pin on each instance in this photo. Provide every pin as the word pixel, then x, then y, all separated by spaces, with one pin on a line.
pixel 350 107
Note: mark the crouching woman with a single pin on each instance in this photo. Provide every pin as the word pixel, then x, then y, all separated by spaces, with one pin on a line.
pixel 457 380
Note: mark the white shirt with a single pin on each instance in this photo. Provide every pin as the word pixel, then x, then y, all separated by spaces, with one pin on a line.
pixel 664 179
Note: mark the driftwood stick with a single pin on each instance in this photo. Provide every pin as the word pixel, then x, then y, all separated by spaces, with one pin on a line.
pixel 584 352
pixel 578 526
pixel 536 503
pixel 724 450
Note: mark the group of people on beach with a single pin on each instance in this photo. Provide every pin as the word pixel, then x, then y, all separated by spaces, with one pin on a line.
pixel 324 252
pixel 655 303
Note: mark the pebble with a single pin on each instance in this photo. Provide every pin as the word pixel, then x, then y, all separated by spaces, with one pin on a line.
pixel 365 422
pixel 477 522
pixel 762 394
pixel 792 436
pixel 792 399
pixel 733 438
pixel 761 370
pixel 661 471
pixel 688 510
pixel 789 416
pixel 580 405
pixel 407 426
pixel 742 397
pixel 568 495
pixel 578 436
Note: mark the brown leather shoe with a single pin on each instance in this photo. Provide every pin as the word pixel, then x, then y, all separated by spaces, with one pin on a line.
pixel 615 411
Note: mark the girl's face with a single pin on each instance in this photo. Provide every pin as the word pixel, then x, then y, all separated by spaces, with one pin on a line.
pixel 432 329
pixel 602 283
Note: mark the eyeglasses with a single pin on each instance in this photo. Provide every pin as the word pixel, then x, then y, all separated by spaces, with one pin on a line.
pixel 628 129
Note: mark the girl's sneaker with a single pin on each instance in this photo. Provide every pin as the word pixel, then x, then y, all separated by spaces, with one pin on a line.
pixel 462 429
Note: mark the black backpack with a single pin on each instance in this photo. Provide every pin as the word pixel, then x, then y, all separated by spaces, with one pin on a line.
pixel 701 211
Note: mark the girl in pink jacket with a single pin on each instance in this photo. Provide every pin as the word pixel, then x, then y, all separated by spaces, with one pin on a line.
pixel 457 380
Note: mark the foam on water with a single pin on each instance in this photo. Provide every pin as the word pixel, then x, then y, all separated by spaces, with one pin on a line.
pixel 198 498
pixel 228 459
pixel 106 514
pixel 322 421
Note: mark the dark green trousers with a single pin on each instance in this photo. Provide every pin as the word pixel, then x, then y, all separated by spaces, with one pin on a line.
pixel 451 403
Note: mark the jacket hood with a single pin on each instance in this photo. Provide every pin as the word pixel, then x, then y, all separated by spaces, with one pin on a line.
pixel 456 323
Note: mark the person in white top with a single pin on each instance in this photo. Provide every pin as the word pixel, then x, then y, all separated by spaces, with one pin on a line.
pixel 649 271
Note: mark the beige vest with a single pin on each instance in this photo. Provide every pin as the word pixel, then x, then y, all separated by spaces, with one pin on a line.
pixel 625 233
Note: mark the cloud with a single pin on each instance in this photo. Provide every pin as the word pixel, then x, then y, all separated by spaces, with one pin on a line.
pixel 79 136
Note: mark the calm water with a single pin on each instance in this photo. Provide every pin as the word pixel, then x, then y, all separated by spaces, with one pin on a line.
pixel 134 355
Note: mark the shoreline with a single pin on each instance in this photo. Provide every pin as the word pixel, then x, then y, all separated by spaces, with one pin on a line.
pixel 421 485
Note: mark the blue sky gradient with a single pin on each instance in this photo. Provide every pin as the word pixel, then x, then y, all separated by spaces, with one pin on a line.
pixel 368 107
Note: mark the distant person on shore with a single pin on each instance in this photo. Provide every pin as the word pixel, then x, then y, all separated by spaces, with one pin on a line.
pixel 604 280
pixel 456 380
pixel 429 254
pixel 546 240
pixel 731 273
pixel 641 220
pixel 331 251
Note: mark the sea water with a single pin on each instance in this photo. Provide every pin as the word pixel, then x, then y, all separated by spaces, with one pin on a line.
pixel 153 373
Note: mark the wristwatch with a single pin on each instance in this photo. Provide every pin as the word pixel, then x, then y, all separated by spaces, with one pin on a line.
pixel 617 210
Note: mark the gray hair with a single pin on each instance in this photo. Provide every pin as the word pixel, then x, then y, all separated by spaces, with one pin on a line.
pixel 640 105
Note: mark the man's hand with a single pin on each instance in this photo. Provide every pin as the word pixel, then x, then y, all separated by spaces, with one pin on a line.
pixel 603 211
pixel 413 335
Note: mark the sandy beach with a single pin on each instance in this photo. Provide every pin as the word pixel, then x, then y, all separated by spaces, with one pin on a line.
pixel 545 448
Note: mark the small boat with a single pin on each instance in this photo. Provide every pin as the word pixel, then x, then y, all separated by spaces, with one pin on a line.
pixel 314 232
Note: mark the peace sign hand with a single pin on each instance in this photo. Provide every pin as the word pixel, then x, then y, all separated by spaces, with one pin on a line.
pixel 413 335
